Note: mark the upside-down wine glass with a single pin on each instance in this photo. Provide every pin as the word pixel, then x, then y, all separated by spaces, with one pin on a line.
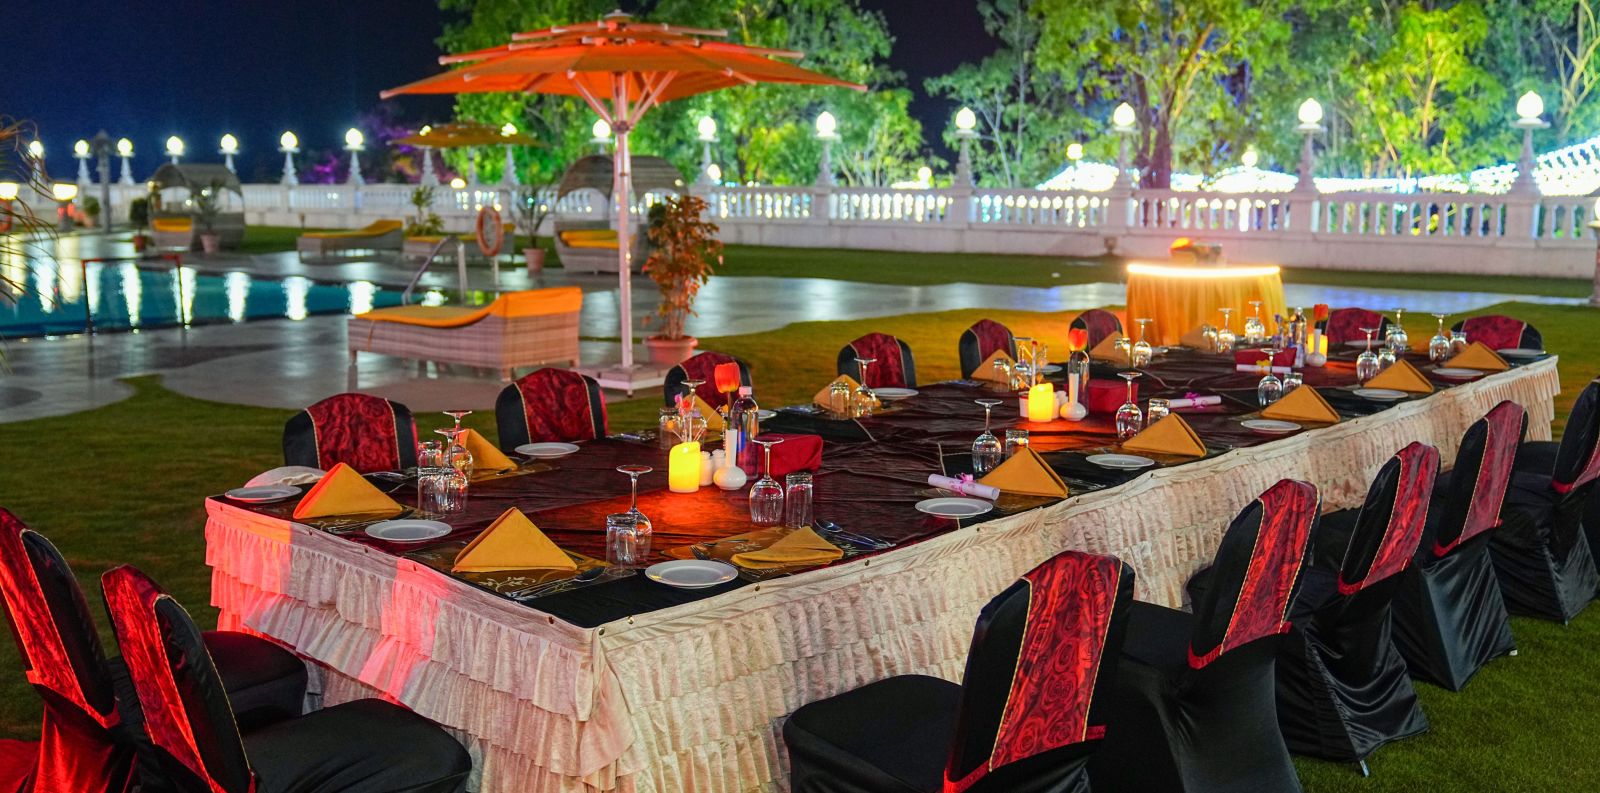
pixel 1225 337
pixel 1397 333
pixel 628 533
pixel 1458 342
pixel 691 388
pixel 1386 355
pixel 1439 345
pixel 865 399
pixel 766 495
pixel 1270 389
pixel 1208 337
pixel 1254 329
pixel 1129 418
pixel 1367 362
pixel 986 450
pixel 1142 351
pixel 458 415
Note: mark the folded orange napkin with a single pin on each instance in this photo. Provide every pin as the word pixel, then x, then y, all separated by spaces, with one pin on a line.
pixel 512 542
pixel 1401 376
pixel 709 413
pixel 1478 356
pixel 485 457
pixel 985 370
pixel 1171 435
pixel 1107 351
pixel 342 491
pixel 822 398
pixel 804 546
pixel 1302 404
pixel 1196 339
pixel 1026 473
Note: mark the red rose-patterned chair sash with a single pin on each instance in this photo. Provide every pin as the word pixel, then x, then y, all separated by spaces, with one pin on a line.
pixel 550 405
pixel 893 366
pixel 1039 664
pixel 1389 527
pixel 63 660
pixel 1257 571
pixel 1500 332
pixel 1100 323
pixel 700 367
pixel 186 710
pixel 1578 456
pixel 1481 476
pixel 1345 324
pixel 367 433
pixel 981 341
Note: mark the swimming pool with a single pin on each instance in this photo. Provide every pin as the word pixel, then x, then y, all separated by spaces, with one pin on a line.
pixel 122 296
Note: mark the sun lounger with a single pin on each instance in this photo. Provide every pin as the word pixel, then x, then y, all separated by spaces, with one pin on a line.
pixel 528 328
pixel 382 235
pixel 172 232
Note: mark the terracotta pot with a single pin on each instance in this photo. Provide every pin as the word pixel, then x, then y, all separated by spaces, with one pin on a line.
pixel 140 242
pixel 535 257
pixel 210 243
pixel 670 352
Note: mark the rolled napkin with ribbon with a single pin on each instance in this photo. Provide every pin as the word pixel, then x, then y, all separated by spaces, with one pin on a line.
pixel 965 485
pixel 796 453
pixel 1257 368
pixel 1171 435
pixel 485 457
pixel 1105 396
pixel 822 398
pixel 1478 356
pixel 803 546
pixel 985 370
pixel 511 542
pixel 1402 376
pixel 1302 404
pixel 1026 473
pixel 1193 400
pixel 342 491
pixel 1254 357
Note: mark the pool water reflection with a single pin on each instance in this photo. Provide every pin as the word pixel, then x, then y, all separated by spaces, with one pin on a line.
pixel 121 296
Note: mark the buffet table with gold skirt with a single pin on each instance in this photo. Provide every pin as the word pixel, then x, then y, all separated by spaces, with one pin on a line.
pixel 1183 297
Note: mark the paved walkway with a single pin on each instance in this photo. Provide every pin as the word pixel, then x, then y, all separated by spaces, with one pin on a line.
pixel 289 364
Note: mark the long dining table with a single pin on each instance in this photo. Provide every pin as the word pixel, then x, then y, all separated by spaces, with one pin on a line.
pixel 628 684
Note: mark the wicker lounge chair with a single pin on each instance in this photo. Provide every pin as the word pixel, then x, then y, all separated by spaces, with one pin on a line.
pixel 420 246
pixel 173 232
pixel 381 235
pixel 528 328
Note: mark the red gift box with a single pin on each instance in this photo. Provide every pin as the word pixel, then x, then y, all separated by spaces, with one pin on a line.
pixel 796 453
pixel 1254 357
pixel 1105 396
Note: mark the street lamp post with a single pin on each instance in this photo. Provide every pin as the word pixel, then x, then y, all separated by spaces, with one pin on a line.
pixel 708 135
pixel 80 151
pixel 36 152
pixel 101 145
pixel 64 193
pixel 1529 109
pixel 290 146
pixel 355 143
pixel 175 148
pixel 508 176
pixel 966 131
pixel 1310 115
pixel 1123 123
pixel 229 146
pixel 125 153
pixel 828 133
pixel 601 135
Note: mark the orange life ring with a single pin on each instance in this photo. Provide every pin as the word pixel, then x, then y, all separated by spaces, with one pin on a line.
pixel 491 234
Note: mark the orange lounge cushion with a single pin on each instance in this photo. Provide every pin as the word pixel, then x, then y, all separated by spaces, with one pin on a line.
pixel 172 224
pixel 589 238
pixel 377 228
pixel 529 303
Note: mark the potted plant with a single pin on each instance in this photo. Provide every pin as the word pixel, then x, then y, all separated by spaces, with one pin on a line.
pixel 425 222
pixel 91 211
pixel 207 206
pixel 531 212
pixel 683 249
pixel 139 215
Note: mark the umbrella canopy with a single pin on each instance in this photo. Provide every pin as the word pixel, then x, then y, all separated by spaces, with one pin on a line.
pixel 621 68
pixel 459 134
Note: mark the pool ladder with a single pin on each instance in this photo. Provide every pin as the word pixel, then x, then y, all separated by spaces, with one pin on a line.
pixel 461 268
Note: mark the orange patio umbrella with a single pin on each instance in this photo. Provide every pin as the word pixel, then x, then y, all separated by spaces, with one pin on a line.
pixel 621 68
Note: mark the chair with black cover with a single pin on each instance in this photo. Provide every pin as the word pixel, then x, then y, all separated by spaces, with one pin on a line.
pixel 1344 325
pixel 366 746
pixel 699 367
pixel 1194 707
pixel 1343 690
pixel 1098 323
pixel 983 339
pixel 1026 717
pixel 550 405
pixel 91 729
pixel 367 433
pixel 1501 332
pixel 892 367
pixel 1545 563
pixel 1449 616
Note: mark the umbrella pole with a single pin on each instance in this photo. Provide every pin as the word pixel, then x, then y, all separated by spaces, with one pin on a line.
pixel 623 195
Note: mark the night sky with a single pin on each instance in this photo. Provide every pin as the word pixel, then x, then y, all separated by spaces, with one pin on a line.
pixel 146 70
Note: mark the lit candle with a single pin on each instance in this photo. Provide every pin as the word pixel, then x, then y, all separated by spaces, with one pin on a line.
pixel 1042 402
pixel 683 467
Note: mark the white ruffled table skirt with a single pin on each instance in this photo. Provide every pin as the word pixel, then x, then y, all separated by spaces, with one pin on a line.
pixel 694 697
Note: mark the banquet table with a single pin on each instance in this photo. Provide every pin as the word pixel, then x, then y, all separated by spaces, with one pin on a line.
pixel 630 685
pixel 1181 298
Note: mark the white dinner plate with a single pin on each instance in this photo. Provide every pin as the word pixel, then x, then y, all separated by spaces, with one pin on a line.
pixel 545 451
pixel 1380 394
pixel 262 494
pixel 894 393
pixel 1050 368
pixel 408 530
pixel 1361 344
pixel 763 414
pixel 1453 373
pixel 952 507
pixel 1521 352
pixel 1271 426
pixel 691 573
pixel 1127 462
